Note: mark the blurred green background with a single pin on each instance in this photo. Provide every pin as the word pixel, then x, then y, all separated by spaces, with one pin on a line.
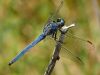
pixel 21 21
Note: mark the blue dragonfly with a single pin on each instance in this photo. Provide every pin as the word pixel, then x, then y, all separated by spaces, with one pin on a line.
pixel 50 29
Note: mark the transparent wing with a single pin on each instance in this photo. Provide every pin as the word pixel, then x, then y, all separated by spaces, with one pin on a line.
pixel 73 56
pixel 75 47
pixel 53 16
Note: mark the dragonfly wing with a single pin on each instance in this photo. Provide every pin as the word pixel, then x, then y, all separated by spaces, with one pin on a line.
pixel 78 47
pixel 72 55
pixel 41 37
pixel 53 16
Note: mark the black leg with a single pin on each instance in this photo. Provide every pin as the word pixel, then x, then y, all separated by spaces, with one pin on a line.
pixel 55 35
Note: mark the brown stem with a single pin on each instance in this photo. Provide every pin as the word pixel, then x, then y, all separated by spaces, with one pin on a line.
pixel 55 56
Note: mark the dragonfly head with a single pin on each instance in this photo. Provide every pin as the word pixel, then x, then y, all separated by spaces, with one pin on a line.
pixel 60 22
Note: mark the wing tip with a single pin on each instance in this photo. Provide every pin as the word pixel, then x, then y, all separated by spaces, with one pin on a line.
pixel 89 42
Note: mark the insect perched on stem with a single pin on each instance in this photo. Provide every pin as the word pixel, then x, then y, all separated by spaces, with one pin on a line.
pixel 51 27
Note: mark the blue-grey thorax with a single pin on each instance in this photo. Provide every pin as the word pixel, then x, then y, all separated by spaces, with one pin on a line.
pixel 50 28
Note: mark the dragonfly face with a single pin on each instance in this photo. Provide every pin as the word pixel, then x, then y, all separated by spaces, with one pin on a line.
pixel 60 22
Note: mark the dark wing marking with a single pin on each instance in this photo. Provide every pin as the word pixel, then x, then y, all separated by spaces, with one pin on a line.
pixel 73 56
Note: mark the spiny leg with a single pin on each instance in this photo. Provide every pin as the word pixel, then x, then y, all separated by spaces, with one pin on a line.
pixel 55 36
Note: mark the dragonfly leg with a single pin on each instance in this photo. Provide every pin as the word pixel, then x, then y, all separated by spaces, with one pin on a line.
pixel 54 35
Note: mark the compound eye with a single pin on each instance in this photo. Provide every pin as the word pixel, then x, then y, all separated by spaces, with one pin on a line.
pixel 58 20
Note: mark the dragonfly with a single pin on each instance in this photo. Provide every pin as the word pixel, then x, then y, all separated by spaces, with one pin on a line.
pixel 50 29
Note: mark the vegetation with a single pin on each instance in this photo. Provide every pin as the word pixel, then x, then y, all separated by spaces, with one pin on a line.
pixel 21 21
